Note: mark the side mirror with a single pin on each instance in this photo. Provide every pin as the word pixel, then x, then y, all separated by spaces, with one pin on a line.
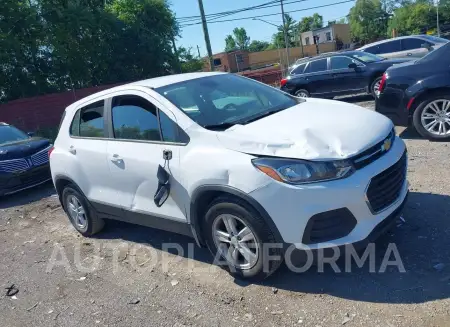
pixel 30 134
pixel 426 46
pixel 352 65
pixel 163 190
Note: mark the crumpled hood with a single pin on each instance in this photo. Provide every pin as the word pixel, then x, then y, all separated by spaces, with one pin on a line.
pixel 314 130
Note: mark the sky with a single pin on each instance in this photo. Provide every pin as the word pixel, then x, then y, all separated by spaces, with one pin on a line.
pixel 191 36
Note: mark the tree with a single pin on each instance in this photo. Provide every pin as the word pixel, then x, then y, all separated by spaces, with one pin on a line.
pixel 257 46
pixel 413 18
pixel 368 21
pixel 189 63
pixel 309 23
pixel 291 29
pixel 239 40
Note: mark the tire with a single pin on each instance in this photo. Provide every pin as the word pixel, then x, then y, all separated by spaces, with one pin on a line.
pixel 373 85
pixel 93 224
pixel 261 267
pixel 420 123
pixel 304 93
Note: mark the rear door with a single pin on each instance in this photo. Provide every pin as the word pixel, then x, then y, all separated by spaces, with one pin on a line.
pixel 345 79
pixel 318 77
pixel 140 133
pixel 87 149
pixel 412 47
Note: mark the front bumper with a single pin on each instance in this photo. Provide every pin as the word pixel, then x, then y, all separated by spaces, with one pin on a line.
pixel 292 206
pixel 16 182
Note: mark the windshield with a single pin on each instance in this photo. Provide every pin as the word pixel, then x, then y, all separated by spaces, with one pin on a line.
pixel 435 39
pixel 225 99
pixel 366 57
pixel 11 134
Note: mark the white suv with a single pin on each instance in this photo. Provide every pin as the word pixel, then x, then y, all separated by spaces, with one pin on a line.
pixel 234 163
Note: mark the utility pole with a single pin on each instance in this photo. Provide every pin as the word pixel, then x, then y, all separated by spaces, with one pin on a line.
pixel 198 49
pixel 285 33
pixel 205 32
pixel 437 18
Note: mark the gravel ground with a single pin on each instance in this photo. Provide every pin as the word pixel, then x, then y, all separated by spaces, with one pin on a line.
pixel 113 280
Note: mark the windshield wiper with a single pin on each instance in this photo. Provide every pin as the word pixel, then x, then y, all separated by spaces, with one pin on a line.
pixel 219 127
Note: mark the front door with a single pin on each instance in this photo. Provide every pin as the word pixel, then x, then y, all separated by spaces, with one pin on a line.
pixel 318 78
pixel 135 153
pixel 347 80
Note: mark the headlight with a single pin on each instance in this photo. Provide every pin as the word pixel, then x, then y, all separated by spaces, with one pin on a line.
pixel 302 171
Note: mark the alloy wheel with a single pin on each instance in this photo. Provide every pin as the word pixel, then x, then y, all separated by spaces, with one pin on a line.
pixel 435 117
pixel 301 94
pixel 376 87
pixel 235 241
pixel 76 211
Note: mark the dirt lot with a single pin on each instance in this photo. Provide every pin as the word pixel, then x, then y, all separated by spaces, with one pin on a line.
pixel 91 290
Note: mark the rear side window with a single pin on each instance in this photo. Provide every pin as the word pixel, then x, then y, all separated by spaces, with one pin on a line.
pixel 317 66
pixel 88 121
pixel 391 46
pixel 299 69
pixel 413 43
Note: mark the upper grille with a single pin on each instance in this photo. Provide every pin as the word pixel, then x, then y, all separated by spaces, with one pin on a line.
pixel 373 153
pixel 11 166
pixel 384 189
pixel 40 158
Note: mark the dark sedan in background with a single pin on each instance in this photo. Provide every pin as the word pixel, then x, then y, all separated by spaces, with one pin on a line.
pixel 23 160
pixel 338 73
pixel 418 94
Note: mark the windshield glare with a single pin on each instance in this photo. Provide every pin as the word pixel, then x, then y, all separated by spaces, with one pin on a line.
pixel 11 134
pixel 366 57
pixel 225 99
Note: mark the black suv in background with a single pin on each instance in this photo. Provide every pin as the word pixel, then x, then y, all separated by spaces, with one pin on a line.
pixel 337 73
pixel 418 93
pixel 23 160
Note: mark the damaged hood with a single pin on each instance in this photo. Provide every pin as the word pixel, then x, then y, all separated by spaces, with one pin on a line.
pixel 314 130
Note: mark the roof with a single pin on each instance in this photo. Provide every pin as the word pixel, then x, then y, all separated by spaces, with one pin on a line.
pixel 172 79
pixel 388 40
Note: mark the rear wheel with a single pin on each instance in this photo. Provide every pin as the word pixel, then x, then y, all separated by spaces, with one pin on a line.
pixel 302 93
pixel 432 117
pixel 375 86
pixel 80 213
pixel 239 236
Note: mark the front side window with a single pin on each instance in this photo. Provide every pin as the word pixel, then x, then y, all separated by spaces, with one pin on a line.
pixel 11 134
pixel 88 121
pixel 225 99
pixel 340 62
pixel 317 66
pixel 134 118
pixel 373 50
pixel 413 43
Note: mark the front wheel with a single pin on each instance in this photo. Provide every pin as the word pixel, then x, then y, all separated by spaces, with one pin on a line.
pixel 239 237
pixel 432 117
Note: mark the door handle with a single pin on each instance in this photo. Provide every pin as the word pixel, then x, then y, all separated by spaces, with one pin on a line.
pixel 72 149
pixel 116 158
pixel 409 54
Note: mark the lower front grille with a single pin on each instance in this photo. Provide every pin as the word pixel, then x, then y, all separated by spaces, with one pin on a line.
pixel 385 188
pixel 328 226
pixel 12 166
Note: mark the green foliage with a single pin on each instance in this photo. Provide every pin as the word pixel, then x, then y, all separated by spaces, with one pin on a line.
pixel 55 45
pixel 412 18
pixel 256 46
pixel 368 21
pixel 238 41
pixel 309 23
pixel 291 29
pixel 189 63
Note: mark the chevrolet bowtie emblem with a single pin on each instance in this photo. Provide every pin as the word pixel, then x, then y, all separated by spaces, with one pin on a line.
pixel 386 145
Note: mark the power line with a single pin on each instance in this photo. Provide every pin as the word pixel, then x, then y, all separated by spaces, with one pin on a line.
pixel 291 11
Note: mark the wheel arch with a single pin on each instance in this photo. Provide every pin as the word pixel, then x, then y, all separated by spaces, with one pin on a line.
pixel 203 196
pixel 62 181
pixel 426 93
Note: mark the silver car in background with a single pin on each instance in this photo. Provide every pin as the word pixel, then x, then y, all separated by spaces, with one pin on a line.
pixel 415 46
